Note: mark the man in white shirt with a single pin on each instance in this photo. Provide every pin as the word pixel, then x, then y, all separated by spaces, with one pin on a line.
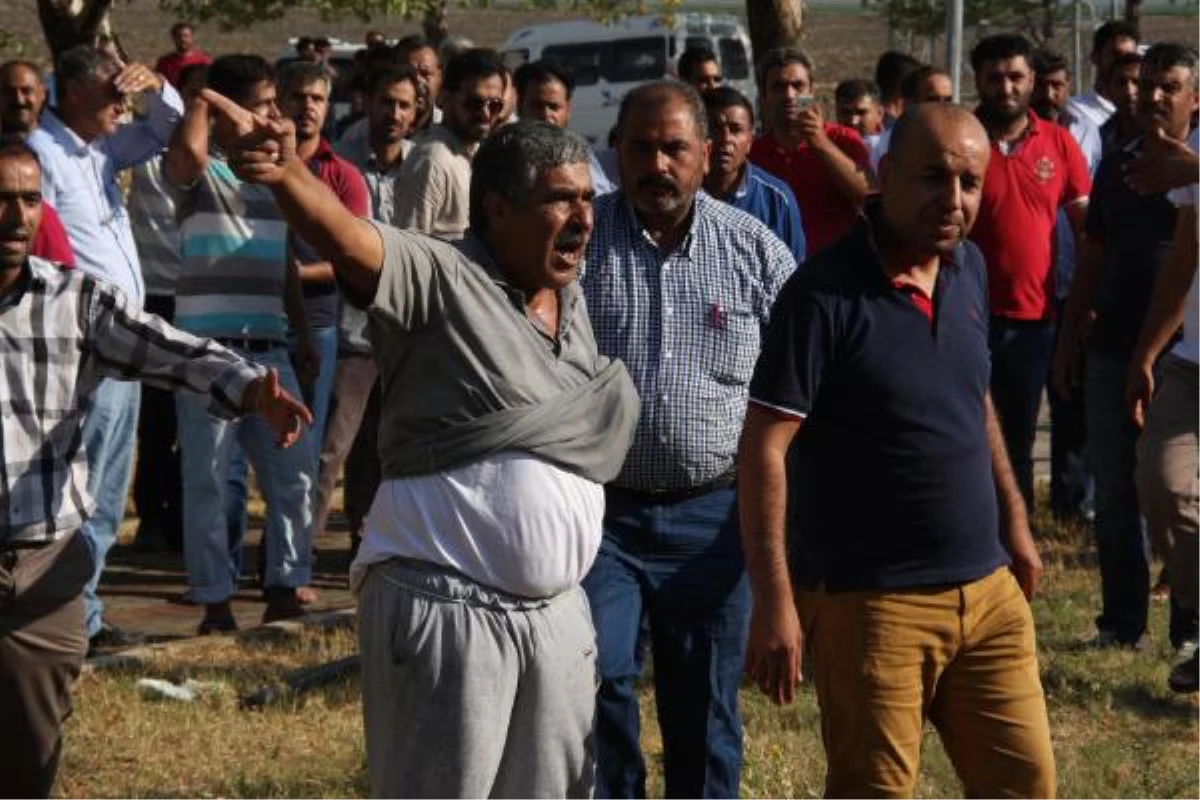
pixel 1110 40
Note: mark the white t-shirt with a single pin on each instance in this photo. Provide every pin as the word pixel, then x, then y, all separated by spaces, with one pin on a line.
pixel 512 522
pixel 1189 346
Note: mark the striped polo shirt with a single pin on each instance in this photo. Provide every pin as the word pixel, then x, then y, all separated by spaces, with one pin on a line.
pixel 234 244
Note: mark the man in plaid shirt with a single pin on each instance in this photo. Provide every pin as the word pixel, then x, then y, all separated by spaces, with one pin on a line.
pixel 61 333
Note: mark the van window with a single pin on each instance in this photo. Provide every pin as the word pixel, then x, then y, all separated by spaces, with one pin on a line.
pixel 734 64
pixel 584 61
pixel 635 60
pixel 621 61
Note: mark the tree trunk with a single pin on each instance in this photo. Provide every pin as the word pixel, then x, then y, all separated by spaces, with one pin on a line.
pixel 774 23
pixel 433 24
pixel 66 23
pixel 1133 13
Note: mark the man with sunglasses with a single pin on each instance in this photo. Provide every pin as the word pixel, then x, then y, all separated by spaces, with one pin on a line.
pixel 435 180
pixel 83 145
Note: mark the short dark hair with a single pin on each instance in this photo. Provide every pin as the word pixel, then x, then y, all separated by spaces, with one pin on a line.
pixel 510 160
pixel 296 74
pixel 664 87
pixel 1046 61
pixel 536 73
pixel 1111 31
pixel 181 25
pixel 1165 55
pixel 185 74
pixel 473 64
pixel 781 57
pixel 910 89
pixel 851 90
pixel 234 75
pixel 691 60
pixel 389 74
pixel 723 97
pixel 83 62
pixel 16 145
pixel 412 43
pixel 890 71
pixel 303 42
pixel 1000 47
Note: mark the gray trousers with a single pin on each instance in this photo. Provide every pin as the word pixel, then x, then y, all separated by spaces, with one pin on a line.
pixel 471 692
pixel 42 646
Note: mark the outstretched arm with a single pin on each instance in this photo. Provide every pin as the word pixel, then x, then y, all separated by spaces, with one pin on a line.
pixel 263 151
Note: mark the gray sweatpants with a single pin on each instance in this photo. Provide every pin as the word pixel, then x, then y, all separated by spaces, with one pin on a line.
pixel 471 692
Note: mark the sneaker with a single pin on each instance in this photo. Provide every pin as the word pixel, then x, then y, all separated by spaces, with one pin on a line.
pixel 1185 677
pixel 1109 640
pixel 110 637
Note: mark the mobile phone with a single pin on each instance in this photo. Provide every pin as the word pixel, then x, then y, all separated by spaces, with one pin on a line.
pixel 806 101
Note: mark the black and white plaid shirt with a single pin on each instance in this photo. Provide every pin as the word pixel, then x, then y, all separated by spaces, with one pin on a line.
pixel 688 325
pixel 61 333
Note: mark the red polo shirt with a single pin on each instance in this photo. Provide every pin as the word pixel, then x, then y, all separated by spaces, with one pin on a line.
pixel 825 212
pixel 51 242
pixel 173 63
pixel 1022 193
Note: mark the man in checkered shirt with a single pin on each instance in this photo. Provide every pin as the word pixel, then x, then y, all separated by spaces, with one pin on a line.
pixel 61 333
pixel 679 286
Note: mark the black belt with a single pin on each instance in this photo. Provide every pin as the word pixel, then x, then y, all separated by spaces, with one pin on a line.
pixel 726 481
pixel 249 345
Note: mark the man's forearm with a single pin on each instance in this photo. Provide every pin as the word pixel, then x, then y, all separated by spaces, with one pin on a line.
pixel 762 506
pixel 1169 301
pixel 850 180
pixel 1084 285
pixel 352 246
pixel 187 156
pixel 316 273
pixel 293 301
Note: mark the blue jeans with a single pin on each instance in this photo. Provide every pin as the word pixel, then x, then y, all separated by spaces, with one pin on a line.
pixel 317 398
pixel 680 566
pixel 1121 542
pixel 284 477
pixel 1021 353
pixel 318 394
pixel 109 435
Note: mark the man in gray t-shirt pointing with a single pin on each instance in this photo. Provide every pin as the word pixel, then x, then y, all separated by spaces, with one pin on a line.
pixel 500 424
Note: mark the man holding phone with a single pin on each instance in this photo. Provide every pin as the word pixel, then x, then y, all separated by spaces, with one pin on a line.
pixel 825 164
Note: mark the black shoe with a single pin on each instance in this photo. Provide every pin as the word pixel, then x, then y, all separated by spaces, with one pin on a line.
pixel 1111 640
pixel 110 637
pixel 218 618
pixel 1185 677
pixel 282 603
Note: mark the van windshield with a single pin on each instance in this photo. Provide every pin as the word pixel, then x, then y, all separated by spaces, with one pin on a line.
pixel 623 61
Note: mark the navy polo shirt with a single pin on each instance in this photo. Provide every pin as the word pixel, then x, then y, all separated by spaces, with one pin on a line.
pixel 891 478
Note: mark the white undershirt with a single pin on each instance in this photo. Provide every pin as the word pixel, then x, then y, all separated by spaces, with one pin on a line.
pixel 512 522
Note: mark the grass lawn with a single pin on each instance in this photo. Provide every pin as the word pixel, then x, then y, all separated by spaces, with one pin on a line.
pixel 1118 731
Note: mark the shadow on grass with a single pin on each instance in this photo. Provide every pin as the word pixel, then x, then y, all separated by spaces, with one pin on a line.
pixel 1142 701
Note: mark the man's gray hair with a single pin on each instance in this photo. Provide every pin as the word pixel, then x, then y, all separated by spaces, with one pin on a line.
pixel 659 91
pixel 513 157
pixel 298 74
pixel 83 63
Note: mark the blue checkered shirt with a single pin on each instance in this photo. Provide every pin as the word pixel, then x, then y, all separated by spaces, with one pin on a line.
pixel 688 325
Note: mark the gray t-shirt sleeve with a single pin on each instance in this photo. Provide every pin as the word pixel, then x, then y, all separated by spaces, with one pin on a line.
pixel 416 269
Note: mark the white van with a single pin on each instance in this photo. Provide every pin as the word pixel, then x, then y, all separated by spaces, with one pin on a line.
pixel 609 60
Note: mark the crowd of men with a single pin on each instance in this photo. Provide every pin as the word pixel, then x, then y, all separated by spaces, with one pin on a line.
pixel 748 384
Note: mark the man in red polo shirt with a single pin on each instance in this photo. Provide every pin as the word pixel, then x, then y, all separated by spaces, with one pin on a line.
pixel 1036 168
pixel 186 53
pixel 824 164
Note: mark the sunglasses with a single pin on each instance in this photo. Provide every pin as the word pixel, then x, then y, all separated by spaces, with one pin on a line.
pixel 492 105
